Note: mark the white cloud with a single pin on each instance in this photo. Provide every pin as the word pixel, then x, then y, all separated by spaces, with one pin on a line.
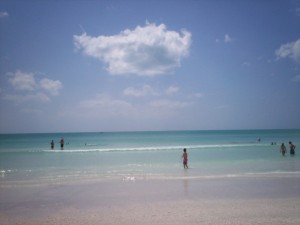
pixel 3 14
pixel 171 90
pixel 22 81
pixel 107 110
pixel 227 38
pixel 147 90
pixel 32 89
pixel 105 102
pixel 38 97
pixel 296 78
pixel 291 50
pixel 148 51
pixel 104 106
pixel 51 86
pixel 168 104
pixel 144 91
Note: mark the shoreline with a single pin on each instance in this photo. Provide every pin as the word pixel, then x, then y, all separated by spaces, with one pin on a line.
pixel 274 200
pixel 104 178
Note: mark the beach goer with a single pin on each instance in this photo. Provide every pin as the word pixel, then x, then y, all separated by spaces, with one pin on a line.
pixel 185 159
pixel 283 149
pixel 52 144
pixel 62 142
pixel 292 148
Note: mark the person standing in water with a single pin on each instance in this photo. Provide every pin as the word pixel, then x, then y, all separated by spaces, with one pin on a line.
pixel 52 144
pixel 292 148
pixel 283 149
pixel 185 159
pixel 62 142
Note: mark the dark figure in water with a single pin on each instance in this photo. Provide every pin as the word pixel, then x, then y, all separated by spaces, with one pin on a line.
pixel 52 144
pixel 283 149
pixel 62 142
pixel 292 148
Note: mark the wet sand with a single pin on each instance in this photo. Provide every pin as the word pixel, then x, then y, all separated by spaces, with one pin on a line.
pixel 264 200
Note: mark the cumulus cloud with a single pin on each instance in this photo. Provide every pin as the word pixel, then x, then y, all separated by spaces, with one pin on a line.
pixel 22 81
pixel 51 86
pixel 3 14
pixel 28 88
pixel 140 92
pixel 289 50
pixel 146 51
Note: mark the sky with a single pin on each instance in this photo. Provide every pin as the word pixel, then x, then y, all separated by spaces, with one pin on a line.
pixel 115 65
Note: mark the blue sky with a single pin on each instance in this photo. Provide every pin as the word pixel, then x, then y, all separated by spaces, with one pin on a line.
pixel 149 65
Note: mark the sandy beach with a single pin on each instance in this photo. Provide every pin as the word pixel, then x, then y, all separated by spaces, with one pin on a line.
pixel 246 201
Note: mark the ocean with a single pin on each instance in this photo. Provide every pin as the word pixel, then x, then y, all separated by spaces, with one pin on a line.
pixel 130 156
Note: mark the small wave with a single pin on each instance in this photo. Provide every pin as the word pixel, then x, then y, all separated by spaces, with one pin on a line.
pixel 84 177
pixel 152 148
pixel 256 174
pixel 272 174
pixel 7 171
pixel 91 144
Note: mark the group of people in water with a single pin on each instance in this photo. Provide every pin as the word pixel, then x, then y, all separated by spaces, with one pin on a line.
pixel 185 155
pixel 282 150
pixel 292 149
pixel 62 143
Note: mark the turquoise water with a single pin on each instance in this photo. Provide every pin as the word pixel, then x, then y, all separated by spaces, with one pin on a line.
pixel 147 155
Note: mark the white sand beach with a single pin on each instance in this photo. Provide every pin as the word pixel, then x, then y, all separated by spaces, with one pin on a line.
pixel 254 201
pixel 254 212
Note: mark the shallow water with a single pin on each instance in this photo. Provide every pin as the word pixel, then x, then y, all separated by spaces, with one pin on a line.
pixel 147 155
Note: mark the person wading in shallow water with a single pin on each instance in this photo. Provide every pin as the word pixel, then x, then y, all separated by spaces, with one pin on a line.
pixel 52 144
pixel 185 159
pixel 292 148
pixel 283 149
pixel 62 142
